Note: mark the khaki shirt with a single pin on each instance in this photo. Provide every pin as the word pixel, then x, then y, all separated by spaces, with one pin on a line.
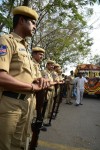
pixel 15 58
pixel 47 74
pixel 36 67
pixel 55 76
pixel 60 77
pixel 72 80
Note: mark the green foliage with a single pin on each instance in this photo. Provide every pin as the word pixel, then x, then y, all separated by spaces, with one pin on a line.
pixel 95 59
pixel 60 28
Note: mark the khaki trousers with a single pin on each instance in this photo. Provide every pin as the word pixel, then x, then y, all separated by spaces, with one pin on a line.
pixel 13 115
pixel 69 94
pixel 49 106
pixel 31 114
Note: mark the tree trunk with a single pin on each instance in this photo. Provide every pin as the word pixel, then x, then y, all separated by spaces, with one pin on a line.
pixel 26 2
pixel 9 13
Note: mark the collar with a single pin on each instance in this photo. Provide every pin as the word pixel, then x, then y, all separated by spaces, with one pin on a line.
pixel 35 62
pixel 19 39
pixel 47 70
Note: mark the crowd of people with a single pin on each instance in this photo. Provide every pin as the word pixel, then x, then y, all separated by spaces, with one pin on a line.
pixel 74 88
pixel 29 96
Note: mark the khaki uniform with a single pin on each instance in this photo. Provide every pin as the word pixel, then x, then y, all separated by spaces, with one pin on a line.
pixel 32 108
pixel 60 77
pixel 57 87
pixel 69 82
pixel 71 85
pixel 37 69
pixel 56 78
pixel 14 59
pixel 37 72
pixel 60 91
pixel 47 74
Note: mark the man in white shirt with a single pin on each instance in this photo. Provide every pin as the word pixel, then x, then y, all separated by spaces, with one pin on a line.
pixel 80 81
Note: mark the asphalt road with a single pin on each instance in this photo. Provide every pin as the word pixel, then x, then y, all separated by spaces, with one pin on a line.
pixel 75 128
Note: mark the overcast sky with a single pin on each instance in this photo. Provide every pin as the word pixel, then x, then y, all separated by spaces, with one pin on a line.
pixel 95 33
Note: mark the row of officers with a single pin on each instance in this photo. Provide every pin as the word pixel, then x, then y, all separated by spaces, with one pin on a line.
pixel 23 86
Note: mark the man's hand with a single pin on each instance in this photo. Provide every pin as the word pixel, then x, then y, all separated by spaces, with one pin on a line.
pixel 35 87
pixel 52 83
pixel 61 82
pixel 42 82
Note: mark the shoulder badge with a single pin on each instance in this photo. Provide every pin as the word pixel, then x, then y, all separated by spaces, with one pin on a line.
pixel 3 50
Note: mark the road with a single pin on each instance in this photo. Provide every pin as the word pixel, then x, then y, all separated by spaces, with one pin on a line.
pixel 75 128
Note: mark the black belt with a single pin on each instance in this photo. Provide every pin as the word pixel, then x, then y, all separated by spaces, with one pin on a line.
pixel 14 95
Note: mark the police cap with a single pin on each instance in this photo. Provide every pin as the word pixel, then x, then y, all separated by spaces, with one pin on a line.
pixel 26 11
pixel 56 65
pixel 50 62
pixel 38 49
pixel 60 70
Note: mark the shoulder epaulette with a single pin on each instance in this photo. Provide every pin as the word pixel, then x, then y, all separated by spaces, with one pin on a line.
pixel 7 35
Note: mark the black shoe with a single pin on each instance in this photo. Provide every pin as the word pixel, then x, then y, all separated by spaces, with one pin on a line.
pixel 67 103
pixel 33 148
pixel 76 104
pixel 81 104
pixel 47 124
pixel 22 148
pixel 53 117
pixel 43 128
pixel 70 103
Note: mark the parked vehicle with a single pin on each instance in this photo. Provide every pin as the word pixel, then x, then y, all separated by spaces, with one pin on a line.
pixel 92 73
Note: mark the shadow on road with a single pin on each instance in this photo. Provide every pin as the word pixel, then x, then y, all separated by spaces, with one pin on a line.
pixel 97 97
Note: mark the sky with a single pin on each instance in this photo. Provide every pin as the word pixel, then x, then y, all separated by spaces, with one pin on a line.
pixel 94 33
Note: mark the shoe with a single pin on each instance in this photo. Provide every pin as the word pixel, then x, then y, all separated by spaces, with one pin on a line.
pixel 22 148
pixel 70 103
pixel 81 104
pixel 67 103
pixel 76 104
pixel 33 148
pixel 43 128
pixel 53 117
pixel 47 124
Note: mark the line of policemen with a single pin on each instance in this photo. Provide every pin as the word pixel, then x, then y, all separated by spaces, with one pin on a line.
pixel 21 83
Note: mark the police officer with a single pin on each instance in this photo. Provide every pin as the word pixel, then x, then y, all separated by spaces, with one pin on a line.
pixel 16 78
pixel 69 83
pixel 58 70
pixel 54 72
pixel 57 86
pixel 47 73
pixel 37 56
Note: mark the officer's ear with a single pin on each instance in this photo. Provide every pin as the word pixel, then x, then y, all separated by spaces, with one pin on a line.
pixel 23 19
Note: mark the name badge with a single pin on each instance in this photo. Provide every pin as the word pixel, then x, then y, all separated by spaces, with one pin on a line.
pixel 21 49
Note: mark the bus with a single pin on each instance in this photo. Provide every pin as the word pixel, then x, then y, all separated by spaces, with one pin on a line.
pixel 92 74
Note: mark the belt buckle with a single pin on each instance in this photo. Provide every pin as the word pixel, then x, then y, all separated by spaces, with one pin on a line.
pixel 19 97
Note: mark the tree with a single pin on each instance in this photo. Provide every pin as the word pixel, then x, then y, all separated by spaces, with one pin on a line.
pixel 95 59
pixel 61 28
